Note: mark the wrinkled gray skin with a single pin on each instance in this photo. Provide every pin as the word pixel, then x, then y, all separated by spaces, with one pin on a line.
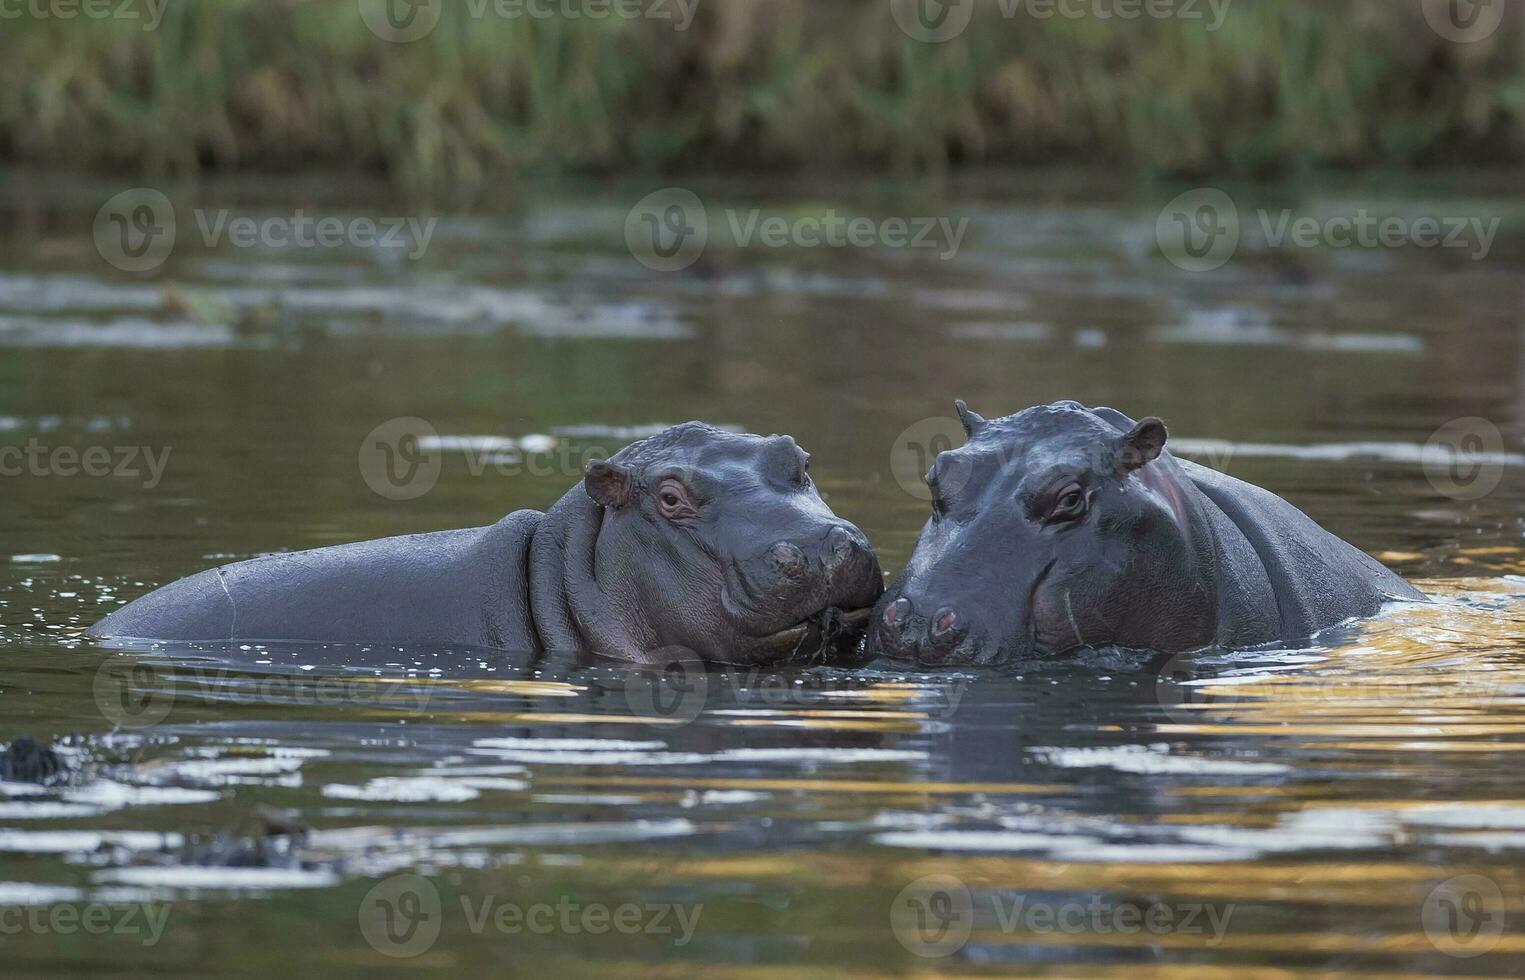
pixel 1065 527
pixel 695 542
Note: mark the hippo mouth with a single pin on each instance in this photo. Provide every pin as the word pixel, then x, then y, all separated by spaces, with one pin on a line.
pixel 817 636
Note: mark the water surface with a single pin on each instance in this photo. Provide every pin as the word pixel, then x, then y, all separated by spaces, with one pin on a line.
pixel 1351 806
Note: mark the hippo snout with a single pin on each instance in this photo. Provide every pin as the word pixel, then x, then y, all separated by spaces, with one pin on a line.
pixel 842 548
pixel 796 577
pixel 927 632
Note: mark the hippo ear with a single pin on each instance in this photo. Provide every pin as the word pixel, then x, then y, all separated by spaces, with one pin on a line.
pixel 609 484
pixel 971 419
pixel 1142 445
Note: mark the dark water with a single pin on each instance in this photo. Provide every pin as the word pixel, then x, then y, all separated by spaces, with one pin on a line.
pixel 1353 806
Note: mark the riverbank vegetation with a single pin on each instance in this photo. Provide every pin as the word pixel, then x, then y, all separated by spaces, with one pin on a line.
pixel 1280 86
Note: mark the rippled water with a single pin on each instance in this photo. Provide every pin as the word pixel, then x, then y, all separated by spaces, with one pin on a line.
pixel 1352 806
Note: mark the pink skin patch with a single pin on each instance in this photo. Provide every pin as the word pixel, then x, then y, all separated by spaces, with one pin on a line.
pixel 1159 483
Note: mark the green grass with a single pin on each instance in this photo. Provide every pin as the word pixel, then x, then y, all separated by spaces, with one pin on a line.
pixel 1284 86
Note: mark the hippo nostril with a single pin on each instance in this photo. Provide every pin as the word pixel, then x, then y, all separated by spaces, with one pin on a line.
pixel 840 542
pixel 790 560
pixel 896 611
pixel 945 620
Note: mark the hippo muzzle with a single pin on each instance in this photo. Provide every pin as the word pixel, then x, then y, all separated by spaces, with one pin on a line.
pixel 792 580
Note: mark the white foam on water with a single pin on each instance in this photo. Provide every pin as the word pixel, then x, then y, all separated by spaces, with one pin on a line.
pixel 816 754
pixel 23 789
pixel 1253 328
pixel 137 332
pixel 721 797
pixel 1150 760
pixel 630 432
pixel 46 810
pixel 593 758
pixel 1393 452
pixel 486 444
pixel 36 559
pixel 106 794
pixel 23 893
pixel 421 789
pixel 76 293
pixel 583 833
pixel 1087 853
pixel 570 744
pixel 232 879
pixel 1493 841
pixel 214 769
pixel 16 841
pixel 975 840
pixel 1333 829
pixel 1481 816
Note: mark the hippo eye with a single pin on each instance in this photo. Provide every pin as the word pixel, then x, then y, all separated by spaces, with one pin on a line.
pixel 673 500
pixel 1068 505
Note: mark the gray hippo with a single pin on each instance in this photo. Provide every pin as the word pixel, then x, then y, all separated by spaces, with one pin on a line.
pixel 694 542
pixel 1064 527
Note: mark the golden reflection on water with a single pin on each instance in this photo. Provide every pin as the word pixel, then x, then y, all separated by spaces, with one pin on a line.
pixel 1423 677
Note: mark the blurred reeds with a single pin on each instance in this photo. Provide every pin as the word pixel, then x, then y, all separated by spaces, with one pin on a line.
pixel 272 85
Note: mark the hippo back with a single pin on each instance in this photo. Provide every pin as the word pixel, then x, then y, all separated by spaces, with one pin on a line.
pixel 467 587
pixel 1318 579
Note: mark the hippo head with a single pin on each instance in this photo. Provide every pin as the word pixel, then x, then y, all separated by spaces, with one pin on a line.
pixel 715 543
pixel 1057 528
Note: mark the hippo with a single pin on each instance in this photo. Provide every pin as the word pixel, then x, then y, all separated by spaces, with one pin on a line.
pixel 1064 527
pixel 695 543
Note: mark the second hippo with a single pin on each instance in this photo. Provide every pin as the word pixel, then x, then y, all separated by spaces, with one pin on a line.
pixel 1065 527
